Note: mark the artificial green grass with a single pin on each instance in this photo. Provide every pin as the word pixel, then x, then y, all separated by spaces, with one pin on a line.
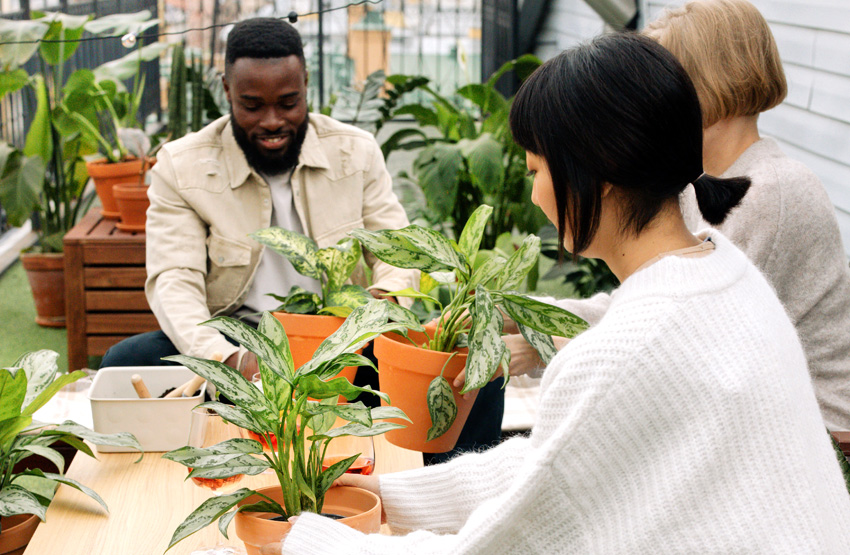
pixel 19 333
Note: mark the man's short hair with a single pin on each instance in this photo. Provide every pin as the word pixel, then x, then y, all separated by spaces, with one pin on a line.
pixel 263 37
pixel 730 54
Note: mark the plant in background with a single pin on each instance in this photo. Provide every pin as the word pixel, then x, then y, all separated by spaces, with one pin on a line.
pixel 586 276
pixel 192 95
pixel 470 159
pixel 331 266
pixel 283 414
pixel 30 383
pixel 473 316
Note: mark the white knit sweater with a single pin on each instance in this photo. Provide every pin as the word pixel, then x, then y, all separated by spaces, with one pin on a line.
pixel 684 422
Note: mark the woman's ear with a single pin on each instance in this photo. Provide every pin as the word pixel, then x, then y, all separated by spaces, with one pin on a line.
pixel 606 189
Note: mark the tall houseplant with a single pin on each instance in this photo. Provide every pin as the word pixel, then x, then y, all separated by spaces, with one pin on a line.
pixel 30 383
pixel 473 320
pixel 283 414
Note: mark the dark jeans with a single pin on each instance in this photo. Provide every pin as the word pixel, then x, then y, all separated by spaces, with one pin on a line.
pixel 145 349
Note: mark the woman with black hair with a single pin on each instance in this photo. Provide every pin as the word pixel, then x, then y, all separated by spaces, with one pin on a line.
pixel 685 420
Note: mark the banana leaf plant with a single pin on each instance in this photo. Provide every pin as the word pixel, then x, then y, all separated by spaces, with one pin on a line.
pixel 282 413
pixel 332 266
pixel 473 316
pixel 25 387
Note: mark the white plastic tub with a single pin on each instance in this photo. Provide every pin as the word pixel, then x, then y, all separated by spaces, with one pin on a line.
pixel 158 424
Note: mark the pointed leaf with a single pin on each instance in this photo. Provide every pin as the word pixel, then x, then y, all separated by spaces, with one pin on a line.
pixel 441 406
pixel 335 366
pixel 487 271
pixel 16 37
pixel 236 415
pixel 129 65
pixel 15 500
pixel 214 455
pixel 430 242
pixel 354 412
pixel 21 185
pixel 405 317
pixel 326 478
pixel 11 81
pixel 118 23
pixel 13 389
pixel 52 455
pixel 63 27
pixel 414 294
pixel 207 512
pixel 427 283
pixel 484 156
pixel 486 348
pixel 47 393
pixel 339 261
pixel 349 337
pixel 299 249
pixel 120 439
pixel 543 317
pixel 349 296
pixel 380 413
pixel 41 368
pixel 473 231
pixel 392 248
pixel 359 430
pixel 254 341
pixel 540 341
pixel 11 427
pixel 76 485
pixel 241 464
pixel 39 141
pixel 520 263
pixel 314 387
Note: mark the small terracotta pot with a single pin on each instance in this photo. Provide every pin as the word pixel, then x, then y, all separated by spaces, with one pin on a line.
pixel 360 508
pixel 106 174
pixel 46 274
pixel 16 534
pixel 405 372
pixel 306 332
pixel 133 204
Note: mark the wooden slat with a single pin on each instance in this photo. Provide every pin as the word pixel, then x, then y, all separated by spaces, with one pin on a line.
pixel 75 308
pixel 84 227
pixel 115 277
pixel 116 301
pixel 98 344
pixel 120 323
pixel 115 254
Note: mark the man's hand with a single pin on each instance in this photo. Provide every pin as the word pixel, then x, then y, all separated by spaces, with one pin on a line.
pixel 248 366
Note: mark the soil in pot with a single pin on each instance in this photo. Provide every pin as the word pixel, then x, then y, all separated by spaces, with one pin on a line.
pixel 359 508
pixel 46 275
pixel 106 175
pixel 133 203
pixel 405 372
pixel 16 533
pixel 306 332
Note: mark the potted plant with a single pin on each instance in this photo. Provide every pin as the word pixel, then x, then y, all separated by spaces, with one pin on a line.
pixel 413 369
pixel 48 175
pixel 281 413
pixel 25 494
pixel 310 317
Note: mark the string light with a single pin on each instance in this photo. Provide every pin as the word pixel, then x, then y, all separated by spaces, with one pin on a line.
pixel 129 40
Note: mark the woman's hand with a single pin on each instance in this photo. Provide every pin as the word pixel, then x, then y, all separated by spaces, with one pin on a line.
pixel 369 483
pixel 247 366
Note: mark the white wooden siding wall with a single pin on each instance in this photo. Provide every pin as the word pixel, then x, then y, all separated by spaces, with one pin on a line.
pixel 813 124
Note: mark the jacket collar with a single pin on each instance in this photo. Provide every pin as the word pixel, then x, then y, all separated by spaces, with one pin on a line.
pixel 312 155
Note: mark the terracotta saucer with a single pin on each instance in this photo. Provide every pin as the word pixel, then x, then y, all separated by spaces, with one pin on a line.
pixel 129 227
pixel 110 215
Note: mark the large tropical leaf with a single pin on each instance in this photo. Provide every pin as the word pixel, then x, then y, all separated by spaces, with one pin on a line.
pixel 207 512
pixel 63 27
pixel 13 389
pixel 540 341
pixel 228 381
pixel 299 249
pixel 11 81
pixel 15 500
pixel 359 430
pixel 39 141
pixel 352 334
pixel 46 393
pixel 121 23
pixel 349 296
pixel 315 387
pixel 40 368
pixel 430 242
pixel 278 361
pixel 21 185
pixel 397 140
pixel 543 317
pixel 339 261
pixel 128 66
pixel 519 264
pixel 485 97
pixel 486 348
pixel 392 248
pixel 16 37
pixel 523 66
pixel 119 439
pixel 438 168
pixel 484 155
pixel 441 406
pixel 473 231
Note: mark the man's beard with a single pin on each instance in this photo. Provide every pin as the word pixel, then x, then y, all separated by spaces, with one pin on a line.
pixel 274 165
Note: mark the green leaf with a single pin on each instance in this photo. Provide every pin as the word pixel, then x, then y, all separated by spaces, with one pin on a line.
pixel 487 271
pixel 364 323
pixel 78 486
pixel 242 464
pixel 520 263
pixel 43 488
pixel 486 348
pixel 15 500
pixel 46 393
pixel 120 23
pixel 349 296
pixel 10 428
pixel 335 366
pixel 359 430
pixel 326 478
pixel 306 489
pixel 299 301
pixel 236 415
pixel 40 368
pixel 215 455
pixel 228 380
pixel 392 248
pixel 540 341
pixel 63 27
pixel 396 140
pixel 339 261
pixel 299 249
pixel 353 412
pixel 275 388
pixel 484 155
pixel 441 406
pixel 278 361
pixel 39 141
pixel 473 231
pixel 438 168
pixel 21 184
pixel 119 439
pixel 406 317
pixel 381 413
pixel 52 455
pixel 13 388
pixel 207 512
pixel 129 65
pixel 12 81
pixel 15 32
pixel 424 116
pixel 313 386
pixel 540 316
pixel 485 97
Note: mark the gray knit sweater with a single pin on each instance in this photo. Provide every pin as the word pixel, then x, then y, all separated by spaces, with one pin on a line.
pixel 786 225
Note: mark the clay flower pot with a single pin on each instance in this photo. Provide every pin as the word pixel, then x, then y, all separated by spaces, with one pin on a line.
pixel 16 534
pixel 360 509
pixel 306 332
pixel 106 175
pixel 132 201
pixel 46 274
pixel 405 372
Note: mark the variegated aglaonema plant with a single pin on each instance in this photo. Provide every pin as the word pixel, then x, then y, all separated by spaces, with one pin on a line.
pixel 331 266
pixel 473 316
pixel 284 414
pixel 24 388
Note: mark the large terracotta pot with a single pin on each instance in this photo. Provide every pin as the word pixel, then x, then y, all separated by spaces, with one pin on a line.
pixel 133 204
pixel 16 534
pixel 405 372
pixel 46 274
pixel 306 332
pixel 360 508
pixel 105 175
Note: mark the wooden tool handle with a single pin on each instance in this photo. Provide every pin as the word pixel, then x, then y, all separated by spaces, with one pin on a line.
pixel 140 387
pixel 191 386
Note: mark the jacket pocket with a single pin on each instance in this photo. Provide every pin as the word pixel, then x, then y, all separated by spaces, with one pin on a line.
pixel 226 252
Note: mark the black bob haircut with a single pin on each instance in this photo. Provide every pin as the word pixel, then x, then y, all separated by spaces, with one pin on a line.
pixel 263 37
pixel 619 109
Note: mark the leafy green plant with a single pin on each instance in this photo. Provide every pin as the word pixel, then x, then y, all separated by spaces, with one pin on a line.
pixel 473 316
pixel 372 106
pixel 283 414
pixel 585 276
pixel 469 158
pixel 30 383
pixel 332 266
pixel 192 95
pixel 48 175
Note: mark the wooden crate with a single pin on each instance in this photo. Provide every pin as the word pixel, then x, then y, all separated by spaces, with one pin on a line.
pixel 104 287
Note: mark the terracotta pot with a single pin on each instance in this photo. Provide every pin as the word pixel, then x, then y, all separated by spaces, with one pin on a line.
pixel 106 174
pixel 16 534
pixel 46 274
pixel 133 203
pixel 360 508
pixel 405 372
pixel 306 332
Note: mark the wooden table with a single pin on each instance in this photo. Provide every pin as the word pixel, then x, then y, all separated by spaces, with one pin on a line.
pixel 147 501
pixel 104 287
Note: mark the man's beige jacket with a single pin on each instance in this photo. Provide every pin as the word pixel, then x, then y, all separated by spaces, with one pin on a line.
pixel 206 200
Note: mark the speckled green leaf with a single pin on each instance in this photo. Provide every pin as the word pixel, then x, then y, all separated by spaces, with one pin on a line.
pixel 441 406
pixel 349 296
pixel 47 393
pixel 316 388
pixel 40 368
pixel 276 389
pixel 473 231
pixel 520 263
pixel 433 243
pixel 15 500
pixel 207 512
pixel 242 464
pixel 299 249
pixel 397 251
pixel 354 412
pixel 299 301
pixel 119 439
pixel 78 486
pixel 486 348
pixel 540 341
pixel 13 389
pixel 236 415
pixel 52 455
pixel 339 261
pixel 335 366
pixel 326 478
pixel 266 350
pixel 427 283
pixel 359 430
pixel 214 455
pixel 487 271
pixel 543 317
pixel 405 317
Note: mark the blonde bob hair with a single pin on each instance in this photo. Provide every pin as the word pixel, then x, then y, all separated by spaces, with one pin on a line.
pixel 729 53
